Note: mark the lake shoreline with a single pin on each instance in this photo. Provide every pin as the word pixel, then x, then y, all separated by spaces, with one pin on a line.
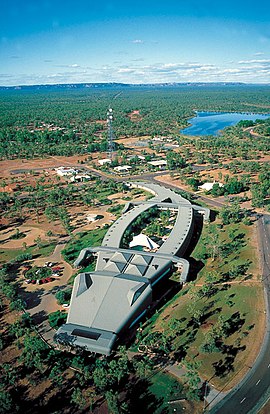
pixel 213 122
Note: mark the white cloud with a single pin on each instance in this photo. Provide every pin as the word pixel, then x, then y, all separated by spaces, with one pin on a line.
pixel 73 65
pixel 126 70
pixel 260 61
pixel 137 41
pixel 250 70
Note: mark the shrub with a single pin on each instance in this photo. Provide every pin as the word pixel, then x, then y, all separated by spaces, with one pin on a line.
pixel 57 319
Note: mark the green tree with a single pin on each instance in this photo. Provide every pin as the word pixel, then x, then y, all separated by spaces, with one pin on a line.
pixel 143 366
pixel 63 296
pixel 78 398
pixel 112 401
pixel 34 351
pixel 57 319
pixel 193 380
pixel 7 404
pixel 102 380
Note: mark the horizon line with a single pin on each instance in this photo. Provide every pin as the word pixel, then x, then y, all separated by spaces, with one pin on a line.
pixel 135 84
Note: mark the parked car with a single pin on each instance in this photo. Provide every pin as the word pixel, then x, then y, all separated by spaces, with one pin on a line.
pixel 48 264
pixel 49 279
pixel 65 305
pixel 56 269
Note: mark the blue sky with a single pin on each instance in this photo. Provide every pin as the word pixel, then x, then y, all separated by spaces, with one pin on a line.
pixel 72 41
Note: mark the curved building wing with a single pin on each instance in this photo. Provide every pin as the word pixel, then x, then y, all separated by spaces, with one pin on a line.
pixel 107 302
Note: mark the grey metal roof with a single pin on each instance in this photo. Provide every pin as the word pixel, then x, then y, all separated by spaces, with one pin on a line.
pixel 90 339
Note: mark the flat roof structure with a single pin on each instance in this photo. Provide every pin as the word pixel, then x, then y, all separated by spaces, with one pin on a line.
pixel 105 161
pixel 209 186
pixel 158 163
pixel 122 168
pixel 109 301
pixel 62 171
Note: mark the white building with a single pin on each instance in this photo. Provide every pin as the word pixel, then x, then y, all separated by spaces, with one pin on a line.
pixel 63 171
pixel 140 157
pixel 105 161
pixel 158 163
pixel 209 186
pixel 122 168
pixel 80 177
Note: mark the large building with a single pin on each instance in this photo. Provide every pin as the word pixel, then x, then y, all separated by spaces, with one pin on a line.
pixel 112 299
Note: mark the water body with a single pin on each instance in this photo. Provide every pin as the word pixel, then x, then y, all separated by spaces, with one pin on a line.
pixel 211 123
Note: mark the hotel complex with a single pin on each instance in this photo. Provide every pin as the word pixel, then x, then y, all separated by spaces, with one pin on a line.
pixel 109 301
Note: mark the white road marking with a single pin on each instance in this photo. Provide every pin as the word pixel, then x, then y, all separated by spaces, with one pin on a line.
pixel 258 382
pixel 242 400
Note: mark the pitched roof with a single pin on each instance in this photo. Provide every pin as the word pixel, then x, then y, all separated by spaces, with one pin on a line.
pixel 120 257
pixel 137 270
pixel 114 267
pixel 139 259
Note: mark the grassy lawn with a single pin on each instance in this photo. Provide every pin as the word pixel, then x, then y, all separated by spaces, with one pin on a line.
pixel 9 254
pixel 239 343
pixel 238 301
pixel 167 388
pixel 246 253
pixel 82 240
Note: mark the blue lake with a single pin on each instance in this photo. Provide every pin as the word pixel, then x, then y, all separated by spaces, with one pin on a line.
pixel 211 123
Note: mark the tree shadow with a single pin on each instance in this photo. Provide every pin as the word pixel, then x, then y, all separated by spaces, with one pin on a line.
pixel 226 286
pixel 213 215
pixel 58 401
pixel 197 231
pixel 210 313
pixel 235 323
pixel 224 367
pixel 39 317
pixel 180 354
pixel 194 269
pixel 32 299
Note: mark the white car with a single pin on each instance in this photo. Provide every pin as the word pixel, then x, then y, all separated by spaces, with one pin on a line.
pixel 65 305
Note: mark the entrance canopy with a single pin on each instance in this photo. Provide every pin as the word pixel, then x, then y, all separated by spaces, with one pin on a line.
pixel 143 240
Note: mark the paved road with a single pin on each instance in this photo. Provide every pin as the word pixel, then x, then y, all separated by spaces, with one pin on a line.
pixel 252 392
